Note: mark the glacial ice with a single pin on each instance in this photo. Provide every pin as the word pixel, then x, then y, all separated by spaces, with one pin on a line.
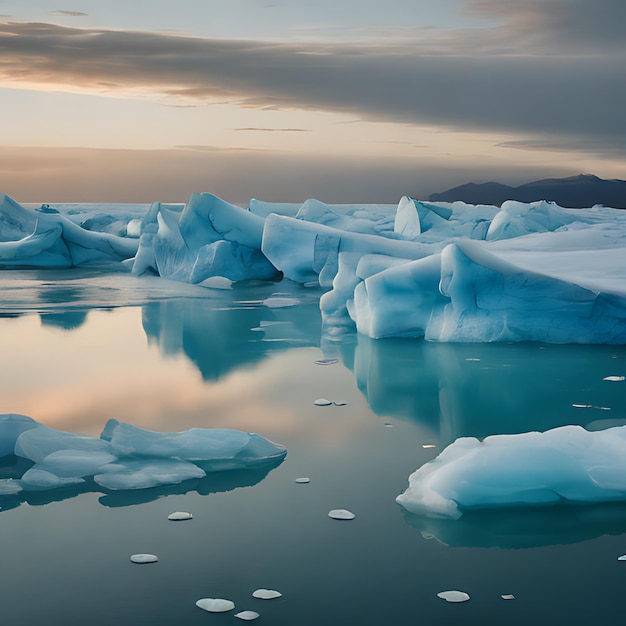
pixel 447 272
pixel 44 238
pixel 565 464
pixel 125 456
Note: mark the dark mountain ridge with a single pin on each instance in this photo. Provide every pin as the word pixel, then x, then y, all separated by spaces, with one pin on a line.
pixel 576 192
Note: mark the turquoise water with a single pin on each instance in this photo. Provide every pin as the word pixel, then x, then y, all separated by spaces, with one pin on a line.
pixel 76 354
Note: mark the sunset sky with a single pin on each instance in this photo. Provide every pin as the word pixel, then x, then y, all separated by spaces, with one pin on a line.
pixel 342 100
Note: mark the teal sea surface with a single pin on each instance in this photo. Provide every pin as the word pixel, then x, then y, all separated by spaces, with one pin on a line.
pixel 80 347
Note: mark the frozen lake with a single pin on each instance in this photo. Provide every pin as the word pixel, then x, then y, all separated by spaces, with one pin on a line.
pixel 81 347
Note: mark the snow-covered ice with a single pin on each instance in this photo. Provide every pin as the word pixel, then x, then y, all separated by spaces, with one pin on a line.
pixel 565 464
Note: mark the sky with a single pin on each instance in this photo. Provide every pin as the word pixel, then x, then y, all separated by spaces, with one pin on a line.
pixel 282 100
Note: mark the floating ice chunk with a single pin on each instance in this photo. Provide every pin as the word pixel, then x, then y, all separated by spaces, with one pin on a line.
pixel 326 361
pixel 179 516
pixel 303 480
pixel 146 473
pixel 215 605
pixel 247 615
pixel 518 218
pixel 322 402
pixel 69 463
pixel 342 514
pixel 615 378
pixel 266 594
pixel 144 558
pixel 11 427
pixel 507 596
pixel 65 467
pixel 428 445
pixel 622 558
pixel 453 596
pixel 207 218
pixel 301 250
pixel 562 464
pixel 37 443
pixel 399 301
pixel 211 448
pixel 280 303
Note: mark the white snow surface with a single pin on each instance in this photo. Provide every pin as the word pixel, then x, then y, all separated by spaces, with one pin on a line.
pixel 443 271
pixel 125 456
pixel 566 464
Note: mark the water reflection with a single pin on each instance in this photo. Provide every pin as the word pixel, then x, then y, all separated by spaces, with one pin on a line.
pixel 220 339
pixel 524 527
pixel 483 389
pixel 66 320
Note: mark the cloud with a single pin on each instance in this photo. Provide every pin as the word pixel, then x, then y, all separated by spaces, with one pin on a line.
pixel 578 97
pixel 558 26
pixel 68 13
pixel 275 130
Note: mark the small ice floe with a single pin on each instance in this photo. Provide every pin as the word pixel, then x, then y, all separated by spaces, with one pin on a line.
pixel 247 615
pixel 507 596
pixel 215 605
pixel 615 379
pixel 341 514
pixel 340 403
pixel 622 558
pixel 591 406
pixel 179 516
pixel 303 480
pixel 326 361
pixel 472 359
pixel 453 596
pixel 278 302
pixel 144 558
pixel 322 402
pixel 266 594
pixel 428 445
pixel 388 425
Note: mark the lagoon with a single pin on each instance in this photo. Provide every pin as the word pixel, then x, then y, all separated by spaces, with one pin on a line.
pixel 82 346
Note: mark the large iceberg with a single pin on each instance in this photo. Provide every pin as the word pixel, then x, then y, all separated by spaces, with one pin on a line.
pixel 46 238
pixel 565 464
pixel 448 272
pixel 125 456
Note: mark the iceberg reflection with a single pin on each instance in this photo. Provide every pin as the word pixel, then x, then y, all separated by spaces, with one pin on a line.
pixel 484 389
pixel 520 527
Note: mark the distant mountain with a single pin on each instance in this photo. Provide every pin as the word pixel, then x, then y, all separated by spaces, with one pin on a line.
pixel 575 192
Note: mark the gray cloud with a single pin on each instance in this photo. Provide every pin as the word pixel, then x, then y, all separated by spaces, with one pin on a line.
pixel 558 26
pixel 581 98
pixel 69 13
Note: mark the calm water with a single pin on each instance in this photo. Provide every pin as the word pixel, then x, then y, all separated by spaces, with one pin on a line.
pixel 75 354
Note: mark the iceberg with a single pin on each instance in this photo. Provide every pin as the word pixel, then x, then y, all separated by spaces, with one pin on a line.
pixel 447 272
pixel 210 448
pixel 46 238
pixel 565 464
pixel 125 456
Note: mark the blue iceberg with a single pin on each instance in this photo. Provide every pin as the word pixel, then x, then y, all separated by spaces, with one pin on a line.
pixel 125 456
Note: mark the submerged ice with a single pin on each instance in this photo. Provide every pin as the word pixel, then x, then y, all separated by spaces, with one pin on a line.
pixel 125 456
